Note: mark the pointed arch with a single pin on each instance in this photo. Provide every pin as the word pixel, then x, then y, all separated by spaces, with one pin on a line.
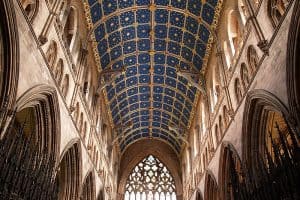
pixel 43 101
pixel 153 177
pixel 226 116
pixel 9 62
pixel 234 30
pixel 88 191
pixel 199 195
pixel 51 54
pixel 101 195
pixel 69 174
pixel 258 104
pixel 252 58
pixel 293 63
pixel 211 189
pixel 65 86
pixel 238 90
pixel 245 76
pixel 59 71
pixel 70 28
pixel 142 148
pixel 231 171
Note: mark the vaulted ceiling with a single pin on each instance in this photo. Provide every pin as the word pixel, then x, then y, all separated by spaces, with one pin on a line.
pixel 151 39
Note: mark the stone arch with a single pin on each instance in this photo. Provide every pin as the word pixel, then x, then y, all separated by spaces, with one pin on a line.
pixel 217 135
pixel 30 8
pixel 65 86
pixel 199 195
pixel 69 171
pixel 59 71
pixel 51 53
pixel 226 116
pixel 245 76
pixel 101 195
pixel 88 191
pixel 252 58
pixel 211 189
pixel 234 30
pixel 143 148
pixel 258 104
pixel 9 62
pixel 43 101
pixel 229 161
pixel 221 125
pixel 70 28
pixel 293 63
pixel 238 90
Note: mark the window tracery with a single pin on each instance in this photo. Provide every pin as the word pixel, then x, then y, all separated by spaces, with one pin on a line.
pixel 150 179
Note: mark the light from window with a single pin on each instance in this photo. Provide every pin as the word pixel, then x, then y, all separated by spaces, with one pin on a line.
pixel 150 180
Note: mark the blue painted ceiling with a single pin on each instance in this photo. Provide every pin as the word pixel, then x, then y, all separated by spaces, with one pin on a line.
pixel 150 38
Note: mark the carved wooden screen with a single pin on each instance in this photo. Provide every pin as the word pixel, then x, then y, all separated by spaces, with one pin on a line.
pixel 150 180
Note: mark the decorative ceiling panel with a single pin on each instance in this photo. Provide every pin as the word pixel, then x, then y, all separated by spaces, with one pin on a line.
pixel 151 39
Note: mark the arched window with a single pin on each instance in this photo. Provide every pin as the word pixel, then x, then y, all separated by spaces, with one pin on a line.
pixel 238 90
pixel 84 129
pixel 221 125
pixel 226 116
pixel 79 125
pixel 150 179
pixel 30 7
pixel 51 54
pixel 76 113
pixel 243 11
pixel 253 59
pixel 245 76
pixel 58 71
pixel 234 30
pixel 70 28
pixel 227 54
pixel 65 86
pixel 217 139
pixel 276 9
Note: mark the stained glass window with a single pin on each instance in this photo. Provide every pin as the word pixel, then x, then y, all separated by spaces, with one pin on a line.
pixel 150 180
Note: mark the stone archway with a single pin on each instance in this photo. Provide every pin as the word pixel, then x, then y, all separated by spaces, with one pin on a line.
pixel 9 63
pixel 69 171
pixel 211 190
pixel 231 174
pixel 44 102
pixel 270 148
pixel 293 63
pixel 88 191
pixel 139 150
